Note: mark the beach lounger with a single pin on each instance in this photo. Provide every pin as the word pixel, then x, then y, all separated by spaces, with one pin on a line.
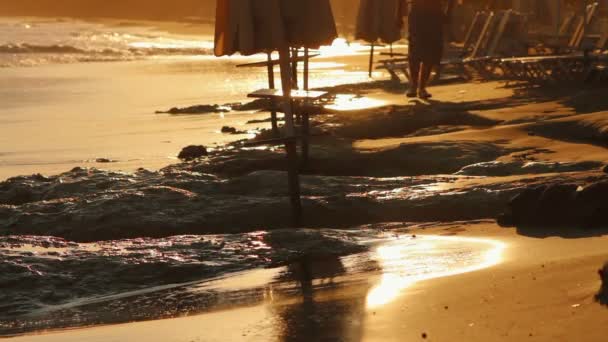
pixel 579 65
pixel 570 34
pixel 477 58
pixel 399 63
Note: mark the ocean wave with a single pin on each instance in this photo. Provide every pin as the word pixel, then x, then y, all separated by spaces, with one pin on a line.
pixel 30 48
pixel 68 49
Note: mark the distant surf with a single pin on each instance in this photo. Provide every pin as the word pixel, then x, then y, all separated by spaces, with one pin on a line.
pixel 30 42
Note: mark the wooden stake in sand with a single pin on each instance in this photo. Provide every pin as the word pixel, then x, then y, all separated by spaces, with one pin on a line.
pixel 290 137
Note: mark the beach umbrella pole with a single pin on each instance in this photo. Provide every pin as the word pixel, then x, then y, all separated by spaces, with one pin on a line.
pixel 371 60
pixel 306 68
pixel 290 141
pixel 271 85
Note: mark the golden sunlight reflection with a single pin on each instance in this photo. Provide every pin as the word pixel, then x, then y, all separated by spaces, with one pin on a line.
pixel 405 262
pixel 344 102
pixel 341 47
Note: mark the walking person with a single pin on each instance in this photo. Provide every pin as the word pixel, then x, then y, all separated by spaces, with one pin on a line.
pixel 427 22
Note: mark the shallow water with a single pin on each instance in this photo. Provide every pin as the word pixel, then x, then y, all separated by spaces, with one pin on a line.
pixel 392 263
pixel 65 105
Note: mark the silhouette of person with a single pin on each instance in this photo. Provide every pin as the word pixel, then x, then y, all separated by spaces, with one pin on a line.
pixel 427 22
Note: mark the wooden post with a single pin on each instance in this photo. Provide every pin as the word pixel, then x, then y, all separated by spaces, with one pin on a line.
pixel 371 60
pixel 305 114
pixel 305 137
pixel 306 68
pixel 294 68
pixel 273 104
pixel 294 76
pixel 290 144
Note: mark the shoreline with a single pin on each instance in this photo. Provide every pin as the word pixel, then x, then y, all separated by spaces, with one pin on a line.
pixel 463 312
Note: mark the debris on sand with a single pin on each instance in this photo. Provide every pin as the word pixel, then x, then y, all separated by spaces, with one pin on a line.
pixel 193 152
pixel 602 295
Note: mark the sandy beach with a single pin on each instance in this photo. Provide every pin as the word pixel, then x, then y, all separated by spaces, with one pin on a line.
pixel 478 215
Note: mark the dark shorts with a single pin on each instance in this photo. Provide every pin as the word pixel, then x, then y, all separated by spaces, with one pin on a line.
pixel 426 36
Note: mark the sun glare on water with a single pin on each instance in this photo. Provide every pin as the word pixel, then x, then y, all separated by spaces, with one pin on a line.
pixel 404 264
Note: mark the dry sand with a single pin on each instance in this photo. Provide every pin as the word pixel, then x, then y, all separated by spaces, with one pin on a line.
pixel 542 290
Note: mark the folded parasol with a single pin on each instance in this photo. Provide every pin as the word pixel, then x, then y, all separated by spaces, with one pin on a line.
pixel 253 26
pixel 380 20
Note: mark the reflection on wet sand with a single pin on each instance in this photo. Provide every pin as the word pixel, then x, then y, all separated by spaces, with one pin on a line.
pixel 328 309
pixel 430 257
pixel 321 312
pixel 346 102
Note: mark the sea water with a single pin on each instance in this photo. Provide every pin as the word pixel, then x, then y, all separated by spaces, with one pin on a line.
pixel 72 92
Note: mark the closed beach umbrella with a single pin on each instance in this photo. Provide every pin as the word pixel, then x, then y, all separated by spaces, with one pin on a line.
pixel 380 20
pixel 254 26
pixel 248 27
pixel 309 23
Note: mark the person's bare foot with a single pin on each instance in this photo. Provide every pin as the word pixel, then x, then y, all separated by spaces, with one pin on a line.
pixel 412 93
pixel 424 94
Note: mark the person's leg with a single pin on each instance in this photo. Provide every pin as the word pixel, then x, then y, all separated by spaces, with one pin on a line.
pixel 425 75
pixel 414 78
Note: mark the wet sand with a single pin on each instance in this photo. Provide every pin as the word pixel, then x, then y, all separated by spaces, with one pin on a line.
pixel 541 290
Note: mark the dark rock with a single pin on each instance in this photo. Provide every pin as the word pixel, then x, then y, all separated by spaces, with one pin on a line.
pixel 257 104
pixel 17 195
pixel 104 160
pixel 192 152
pixel 198 109
pixel 523 207
pixel 542 205
pixel 592 205
pixel 229 130
pixel 556 205
pixel 232 130
pixel 602 295
pixel 559 205
pixel 505 220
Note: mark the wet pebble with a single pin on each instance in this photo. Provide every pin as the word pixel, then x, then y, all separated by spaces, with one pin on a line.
pixel 104 160
pixel 192 152
pixel 231 130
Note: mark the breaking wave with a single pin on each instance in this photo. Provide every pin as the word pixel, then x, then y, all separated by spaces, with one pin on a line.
pixel 27 44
